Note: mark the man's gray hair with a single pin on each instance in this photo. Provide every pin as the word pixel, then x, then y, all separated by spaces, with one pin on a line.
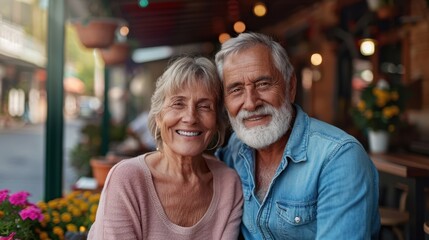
pixel 246 40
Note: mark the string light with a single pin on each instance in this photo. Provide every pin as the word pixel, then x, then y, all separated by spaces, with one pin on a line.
pixel 260 9
pixel 239 27
pixel 223 37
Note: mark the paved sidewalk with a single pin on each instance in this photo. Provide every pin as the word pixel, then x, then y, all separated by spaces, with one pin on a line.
pixel 22 157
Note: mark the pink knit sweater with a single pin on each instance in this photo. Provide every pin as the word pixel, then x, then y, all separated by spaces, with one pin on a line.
pixel 130 208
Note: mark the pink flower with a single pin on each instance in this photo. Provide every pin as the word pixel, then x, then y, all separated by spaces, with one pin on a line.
pixel 32 212
pixel 19 198
pixel 3 195
pixel 10 237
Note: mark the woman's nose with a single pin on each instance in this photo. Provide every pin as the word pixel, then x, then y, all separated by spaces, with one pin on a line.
pixel 190 115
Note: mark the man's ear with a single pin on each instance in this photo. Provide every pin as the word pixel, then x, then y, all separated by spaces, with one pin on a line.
pixel 292 88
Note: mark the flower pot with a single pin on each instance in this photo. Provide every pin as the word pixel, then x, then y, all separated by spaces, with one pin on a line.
pixel 96 32
pixel 378 141
pixel 117 53
pixel 100 168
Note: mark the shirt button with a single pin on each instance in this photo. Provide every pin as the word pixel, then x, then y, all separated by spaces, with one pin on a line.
pixel 297 219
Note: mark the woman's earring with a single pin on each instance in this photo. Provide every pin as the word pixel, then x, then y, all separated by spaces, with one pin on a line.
pixel 156 138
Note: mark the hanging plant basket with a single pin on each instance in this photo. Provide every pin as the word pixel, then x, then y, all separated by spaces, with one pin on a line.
pixel 97 32
pixel 117 53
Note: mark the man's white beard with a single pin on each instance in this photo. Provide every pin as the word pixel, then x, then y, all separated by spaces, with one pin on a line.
pixel 262 136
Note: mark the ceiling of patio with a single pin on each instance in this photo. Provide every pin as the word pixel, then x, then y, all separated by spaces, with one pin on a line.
pixel 179 22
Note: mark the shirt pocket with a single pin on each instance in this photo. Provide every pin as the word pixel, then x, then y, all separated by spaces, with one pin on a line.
pixel 297 219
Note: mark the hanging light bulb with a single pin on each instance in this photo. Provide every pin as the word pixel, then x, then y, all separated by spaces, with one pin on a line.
pixel 367 46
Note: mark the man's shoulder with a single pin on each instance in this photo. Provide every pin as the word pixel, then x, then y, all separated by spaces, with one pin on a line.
pixel 230 151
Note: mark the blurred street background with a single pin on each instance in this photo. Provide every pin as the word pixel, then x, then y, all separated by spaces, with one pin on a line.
pixel 22 157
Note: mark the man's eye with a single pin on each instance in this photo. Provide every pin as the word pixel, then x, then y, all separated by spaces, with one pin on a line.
pixel 262 84
pixel 234 90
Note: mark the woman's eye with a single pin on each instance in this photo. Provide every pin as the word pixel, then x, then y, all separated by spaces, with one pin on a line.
pixel 177 104
pixel 204 107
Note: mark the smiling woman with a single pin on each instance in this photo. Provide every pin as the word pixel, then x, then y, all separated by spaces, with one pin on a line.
pixel 178 189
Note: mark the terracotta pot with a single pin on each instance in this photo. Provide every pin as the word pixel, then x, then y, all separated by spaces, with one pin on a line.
pixel 97 32
pixel 117 53
pixel 100 168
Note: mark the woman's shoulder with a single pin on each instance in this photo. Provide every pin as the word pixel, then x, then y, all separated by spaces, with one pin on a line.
pixel 129 168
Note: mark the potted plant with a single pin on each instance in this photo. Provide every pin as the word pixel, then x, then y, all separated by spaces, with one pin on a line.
pixel 379 112
pixel 89 147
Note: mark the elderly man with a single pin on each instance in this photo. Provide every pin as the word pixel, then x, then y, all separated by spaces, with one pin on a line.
pixel 301 178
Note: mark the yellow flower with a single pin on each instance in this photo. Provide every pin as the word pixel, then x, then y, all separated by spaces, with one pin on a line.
pixel 66 217
pixel 42 206
pixel 55 213
pixel 382 96
pixel 43 235
pixel 76 212
pixel 71 227
pixel 389 112
pixel 58 231
pixel 86 194
pixel 56 220
pixel 95 198
pixel 1 214
pixel 93 208
pixel 52 204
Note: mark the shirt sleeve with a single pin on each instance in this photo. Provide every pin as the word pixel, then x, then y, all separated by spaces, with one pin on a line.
pixel 348 196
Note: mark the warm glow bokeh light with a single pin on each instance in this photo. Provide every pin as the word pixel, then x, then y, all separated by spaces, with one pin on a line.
pixel 316 59
pixel 367 47
pixel 124 30
pixel 223 37
pixel 260 9
pixel 239 27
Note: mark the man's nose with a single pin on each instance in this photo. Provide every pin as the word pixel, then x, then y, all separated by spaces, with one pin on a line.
pixel 250 100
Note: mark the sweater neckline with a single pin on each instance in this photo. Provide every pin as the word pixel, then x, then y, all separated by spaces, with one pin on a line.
pixel 205 219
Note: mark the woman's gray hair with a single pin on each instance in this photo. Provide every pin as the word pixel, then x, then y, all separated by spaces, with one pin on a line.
pixel 250 39
pixel 181 73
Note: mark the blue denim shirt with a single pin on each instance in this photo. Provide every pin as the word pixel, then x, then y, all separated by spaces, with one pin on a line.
pixel 326 186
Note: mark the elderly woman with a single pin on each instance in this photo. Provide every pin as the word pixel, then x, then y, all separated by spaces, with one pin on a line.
pixel 178 191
